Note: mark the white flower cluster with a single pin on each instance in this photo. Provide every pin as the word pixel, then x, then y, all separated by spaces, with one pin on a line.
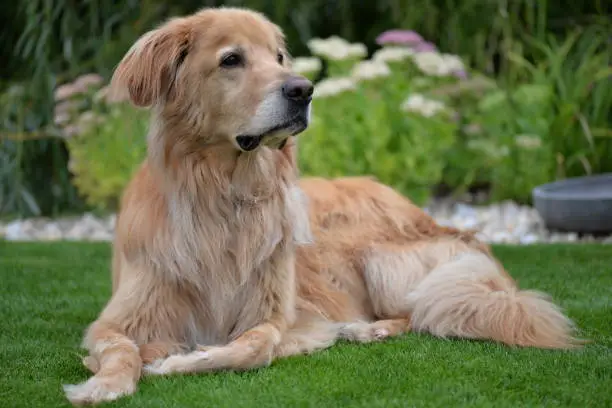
pixel 417 103
pixel 302 65
pixel 336 48
pixel 528 142
pixel 487 147
pixel 370 70
pixel 333 86
pixel 393 54
pixel 436 64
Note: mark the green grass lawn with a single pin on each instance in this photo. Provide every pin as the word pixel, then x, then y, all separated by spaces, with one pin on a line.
pixel 51 292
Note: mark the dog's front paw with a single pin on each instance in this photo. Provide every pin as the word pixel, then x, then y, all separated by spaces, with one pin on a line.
pixel 178 363
pixel 154 368
pixel 99 389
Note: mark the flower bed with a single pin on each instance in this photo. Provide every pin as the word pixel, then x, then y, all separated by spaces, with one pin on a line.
pixel 412 116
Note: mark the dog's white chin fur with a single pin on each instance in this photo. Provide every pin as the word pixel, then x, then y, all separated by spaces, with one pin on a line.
pixel 274 110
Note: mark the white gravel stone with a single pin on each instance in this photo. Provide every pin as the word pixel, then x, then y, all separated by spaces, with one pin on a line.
pixel 110 222
pixel 50 232
pixel 499 223
pixel 78 232
pixel 17 231
pixel 529 238
pixel 100 235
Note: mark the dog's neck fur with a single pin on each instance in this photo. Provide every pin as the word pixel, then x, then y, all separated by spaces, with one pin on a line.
pixel 186 160
pixel 227 220
pixel 227 215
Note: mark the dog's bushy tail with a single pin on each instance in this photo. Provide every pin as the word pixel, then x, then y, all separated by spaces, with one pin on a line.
pixel 471 297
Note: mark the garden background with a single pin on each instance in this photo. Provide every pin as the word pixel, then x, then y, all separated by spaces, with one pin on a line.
pixel 494 96
pixel 465 109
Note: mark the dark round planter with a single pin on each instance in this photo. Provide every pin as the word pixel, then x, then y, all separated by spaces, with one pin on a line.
pixel 581 204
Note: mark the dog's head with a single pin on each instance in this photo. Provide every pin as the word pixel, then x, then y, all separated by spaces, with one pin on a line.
pixel 222 74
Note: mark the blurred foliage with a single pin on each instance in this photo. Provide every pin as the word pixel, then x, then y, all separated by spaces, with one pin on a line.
pixel 560 118
pixel 48 42
pixel 554 124
pixel 120 136
pixel 376 136
pixel 33 175
pixel 67 37
pixel 34 178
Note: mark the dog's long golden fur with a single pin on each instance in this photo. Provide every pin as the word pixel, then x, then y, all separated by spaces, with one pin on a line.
pixel 223 259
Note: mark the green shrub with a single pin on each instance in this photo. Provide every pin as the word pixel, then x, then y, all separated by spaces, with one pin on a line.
pixel 49 42
pixel 555 123
pixel 578 73
pixel 408 120
pixel 104 157
pixel 34 178
pixel 364 121
pixel 516 124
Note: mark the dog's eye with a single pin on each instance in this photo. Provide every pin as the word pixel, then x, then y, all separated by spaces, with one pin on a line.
pixel 231 60
pixel 280 58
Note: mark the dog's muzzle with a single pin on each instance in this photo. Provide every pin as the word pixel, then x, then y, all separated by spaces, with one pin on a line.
pixel 297 91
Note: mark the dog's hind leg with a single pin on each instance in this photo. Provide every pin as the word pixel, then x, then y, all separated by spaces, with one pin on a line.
pixel 454 288
pixel 321 334
pixel 390 272
pixel 309 334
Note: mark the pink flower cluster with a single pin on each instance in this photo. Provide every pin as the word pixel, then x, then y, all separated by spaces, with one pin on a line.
pixel 413 40
pixel 400 37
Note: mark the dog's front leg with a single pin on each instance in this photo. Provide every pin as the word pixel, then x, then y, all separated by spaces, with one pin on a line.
pixel 254 348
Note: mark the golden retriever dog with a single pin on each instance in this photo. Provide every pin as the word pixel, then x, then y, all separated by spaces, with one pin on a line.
pixel 224 260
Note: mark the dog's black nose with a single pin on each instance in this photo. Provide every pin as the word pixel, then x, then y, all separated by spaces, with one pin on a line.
pixel 298 88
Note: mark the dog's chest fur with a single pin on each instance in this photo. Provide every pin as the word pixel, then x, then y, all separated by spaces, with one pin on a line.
pixel 224 242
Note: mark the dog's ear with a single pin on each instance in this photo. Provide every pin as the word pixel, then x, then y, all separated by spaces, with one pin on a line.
pixel 148 70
